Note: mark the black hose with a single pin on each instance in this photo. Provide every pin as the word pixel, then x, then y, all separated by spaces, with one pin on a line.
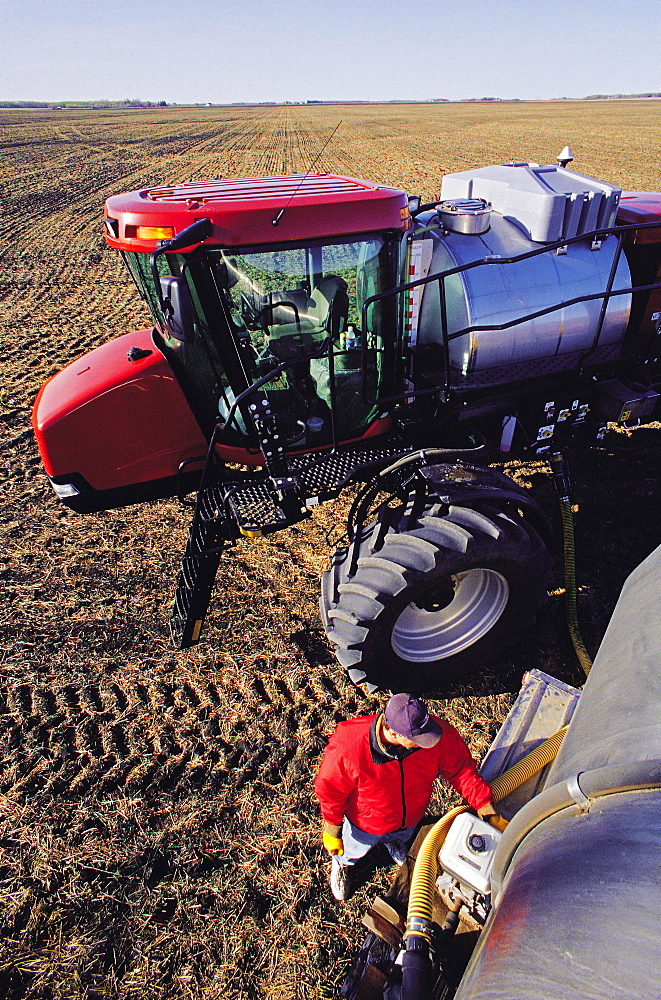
pixel 417 970
pixel 451 923
pixel 570 586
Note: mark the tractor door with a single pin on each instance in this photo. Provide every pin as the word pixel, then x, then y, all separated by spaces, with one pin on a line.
pixel 301 306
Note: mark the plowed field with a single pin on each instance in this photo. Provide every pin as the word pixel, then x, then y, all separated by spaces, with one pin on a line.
pixel 157 830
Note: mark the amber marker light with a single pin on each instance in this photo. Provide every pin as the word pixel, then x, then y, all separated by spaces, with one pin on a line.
pixel 149 232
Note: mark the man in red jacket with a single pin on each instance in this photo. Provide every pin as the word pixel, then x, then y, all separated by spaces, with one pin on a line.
pixel 376 779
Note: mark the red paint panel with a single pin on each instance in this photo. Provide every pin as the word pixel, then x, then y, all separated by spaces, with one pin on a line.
pixel 639 203
pixel 116 421
pixel 243 211
pixel 641 207
pixel 229 453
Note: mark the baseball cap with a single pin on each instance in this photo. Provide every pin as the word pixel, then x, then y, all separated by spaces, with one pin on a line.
pixel 408 716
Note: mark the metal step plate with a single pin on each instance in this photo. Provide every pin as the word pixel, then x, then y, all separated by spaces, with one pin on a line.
pixel 320 478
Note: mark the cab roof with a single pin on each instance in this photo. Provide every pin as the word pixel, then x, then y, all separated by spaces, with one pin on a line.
pixel 255 210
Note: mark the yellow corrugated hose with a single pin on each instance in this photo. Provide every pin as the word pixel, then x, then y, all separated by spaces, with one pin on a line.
pixel 527 766
pixel 421 895
pixel 570 585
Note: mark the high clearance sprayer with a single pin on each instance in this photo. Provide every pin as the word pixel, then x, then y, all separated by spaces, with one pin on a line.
pixel 312 332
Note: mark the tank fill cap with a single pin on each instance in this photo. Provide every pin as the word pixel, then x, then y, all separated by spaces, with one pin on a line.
pixel 469 216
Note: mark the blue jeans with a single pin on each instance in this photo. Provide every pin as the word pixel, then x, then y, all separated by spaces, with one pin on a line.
pixel 357 843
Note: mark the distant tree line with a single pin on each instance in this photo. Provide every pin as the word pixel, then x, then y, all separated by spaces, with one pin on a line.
pixel 615 97
pixel 134 102
pixel 55 105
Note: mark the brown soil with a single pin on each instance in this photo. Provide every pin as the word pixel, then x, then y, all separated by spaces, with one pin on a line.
pixel 158 835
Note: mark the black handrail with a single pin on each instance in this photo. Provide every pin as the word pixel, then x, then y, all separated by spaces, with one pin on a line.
pixel 558 244
pixel 605 301
pixel 221 425
pixel 441 276
pixel 211 456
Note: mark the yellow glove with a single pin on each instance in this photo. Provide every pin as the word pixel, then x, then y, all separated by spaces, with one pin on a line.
pixel 498 821
pixel 332 844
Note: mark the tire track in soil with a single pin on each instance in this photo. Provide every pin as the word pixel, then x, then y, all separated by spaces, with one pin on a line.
pixel 109 174
pixel 231 153
pixel 69 741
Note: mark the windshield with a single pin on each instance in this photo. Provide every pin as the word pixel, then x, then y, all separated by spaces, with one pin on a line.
pixel 296 302
pixel 260 308
pixel 318 280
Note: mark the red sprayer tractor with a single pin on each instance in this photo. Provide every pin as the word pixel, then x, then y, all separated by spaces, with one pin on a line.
pixel 315 331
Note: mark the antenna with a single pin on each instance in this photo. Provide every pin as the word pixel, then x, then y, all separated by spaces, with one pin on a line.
pixel 565 157
pixel 274 222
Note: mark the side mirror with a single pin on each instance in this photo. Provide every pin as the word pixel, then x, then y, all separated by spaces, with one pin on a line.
pixel 178 312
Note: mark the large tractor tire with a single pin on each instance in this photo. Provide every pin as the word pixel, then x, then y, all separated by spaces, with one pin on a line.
pixel 429 604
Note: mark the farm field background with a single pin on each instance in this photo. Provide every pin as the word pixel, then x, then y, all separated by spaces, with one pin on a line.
pixel 158 834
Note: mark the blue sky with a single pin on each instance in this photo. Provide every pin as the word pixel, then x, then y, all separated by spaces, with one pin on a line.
pixel 218 51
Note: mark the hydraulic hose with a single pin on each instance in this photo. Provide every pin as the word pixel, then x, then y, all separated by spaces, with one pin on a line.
pixel 446 454
pixel 563 487
pixel 570 585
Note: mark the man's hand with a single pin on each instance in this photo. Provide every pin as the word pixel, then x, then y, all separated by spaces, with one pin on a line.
pixel 489 814
pixel 333 845
pixel 498 822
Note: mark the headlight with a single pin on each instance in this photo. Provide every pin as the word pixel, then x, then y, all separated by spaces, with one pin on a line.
pixel 65 489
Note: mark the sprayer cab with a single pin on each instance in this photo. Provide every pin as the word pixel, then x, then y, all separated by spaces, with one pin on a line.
pixel 263 280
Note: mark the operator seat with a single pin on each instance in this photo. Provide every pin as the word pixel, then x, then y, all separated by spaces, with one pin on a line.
pixel 329 304
pixel 324 312
pixel 281 308
pixel 321 316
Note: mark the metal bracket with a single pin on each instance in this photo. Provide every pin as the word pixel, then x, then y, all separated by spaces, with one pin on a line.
pixel 286 493
pixel 577 793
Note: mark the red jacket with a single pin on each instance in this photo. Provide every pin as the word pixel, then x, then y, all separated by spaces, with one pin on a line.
pixel 380 795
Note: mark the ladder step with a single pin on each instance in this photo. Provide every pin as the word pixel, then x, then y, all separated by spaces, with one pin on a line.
pixel 196 579
pixel 181 605
pixel 250 506
pixel 189 572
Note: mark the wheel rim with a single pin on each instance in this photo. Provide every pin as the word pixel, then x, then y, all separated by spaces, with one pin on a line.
pixel 451 617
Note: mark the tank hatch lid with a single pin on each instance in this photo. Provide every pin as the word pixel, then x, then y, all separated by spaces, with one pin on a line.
pixel 548 203
pixel 248 211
